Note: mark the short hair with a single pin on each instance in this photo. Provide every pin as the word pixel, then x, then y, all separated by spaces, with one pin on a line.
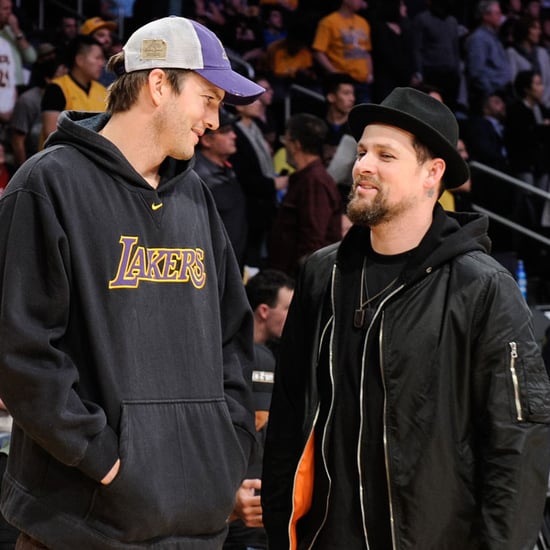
pixel 79 44
pixel 333 81
pixel 485 7
pixel 522 26
pixel 263 288
pixel 309 131
pixel 389 10
pixel 524 81
pixel 424 153
pixel 43 70
pixel 124 91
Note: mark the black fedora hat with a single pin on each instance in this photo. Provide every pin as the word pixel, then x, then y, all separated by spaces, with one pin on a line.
pixel 432 122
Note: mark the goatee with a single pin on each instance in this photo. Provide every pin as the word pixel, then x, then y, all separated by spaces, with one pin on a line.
pixel 361 212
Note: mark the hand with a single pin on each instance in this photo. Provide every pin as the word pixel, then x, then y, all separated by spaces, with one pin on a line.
pixel 112 473
pixel 281 182
pixel 261 419
pixel 248 507
pixel 13 22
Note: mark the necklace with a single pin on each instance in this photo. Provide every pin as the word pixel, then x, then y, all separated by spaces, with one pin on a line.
pixel 363 316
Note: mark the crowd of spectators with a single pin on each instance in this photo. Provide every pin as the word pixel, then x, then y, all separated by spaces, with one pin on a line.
pixel 488 60
pixel 281 179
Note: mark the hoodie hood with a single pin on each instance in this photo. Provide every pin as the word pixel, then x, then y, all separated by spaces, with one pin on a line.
pixel 451 234
pixel 81 131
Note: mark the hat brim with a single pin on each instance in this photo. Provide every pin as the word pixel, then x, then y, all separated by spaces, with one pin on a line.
pixel 111 25
pixel 456 171
pixel 239 90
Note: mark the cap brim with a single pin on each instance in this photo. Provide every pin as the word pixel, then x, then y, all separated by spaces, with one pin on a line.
pixel 456 172
pixel 111 25
pixel 239 90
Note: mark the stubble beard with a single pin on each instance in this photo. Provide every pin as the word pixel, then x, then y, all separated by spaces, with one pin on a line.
pixel 170 121
pixel 367 213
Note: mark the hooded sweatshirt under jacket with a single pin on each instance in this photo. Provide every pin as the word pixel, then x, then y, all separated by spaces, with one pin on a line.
pixel 124 331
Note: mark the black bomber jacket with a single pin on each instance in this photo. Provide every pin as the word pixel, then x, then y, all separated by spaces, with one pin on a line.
pixel 458 355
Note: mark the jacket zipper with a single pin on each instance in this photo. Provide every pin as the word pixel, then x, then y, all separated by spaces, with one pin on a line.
pixel 385 416
pixel 385 428
pixel 386 450
pixel 515 381
pixel 385 439
pixel 359 449
pixel 329 414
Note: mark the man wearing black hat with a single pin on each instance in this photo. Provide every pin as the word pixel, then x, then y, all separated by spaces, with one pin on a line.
pixel 411 404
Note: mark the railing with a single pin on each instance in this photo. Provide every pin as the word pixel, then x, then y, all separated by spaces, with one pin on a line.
pixel 525 243
pixel 76 9
pixel 295 89
pixel 518 183
pixel 239 64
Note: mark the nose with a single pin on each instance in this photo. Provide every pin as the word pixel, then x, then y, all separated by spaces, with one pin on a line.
pixel 364 164
pixel 212 119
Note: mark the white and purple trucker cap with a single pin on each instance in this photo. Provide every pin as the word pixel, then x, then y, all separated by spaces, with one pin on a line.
pixel 179 43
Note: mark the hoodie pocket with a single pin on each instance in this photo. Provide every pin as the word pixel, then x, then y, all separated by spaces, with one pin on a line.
pixel 181 465
pixel 529 386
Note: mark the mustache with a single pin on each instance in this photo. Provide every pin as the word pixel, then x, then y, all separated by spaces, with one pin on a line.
pixel 365 179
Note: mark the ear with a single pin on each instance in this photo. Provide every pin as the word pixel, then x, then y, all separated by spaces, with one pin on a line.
pixel 206 140
pixel 262 311
pixel 157 85
pixel 78 59
pixel 292 146
pixel 436 169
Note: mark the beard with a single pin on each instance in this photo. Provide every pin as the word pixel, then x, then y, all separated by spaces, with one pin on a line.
pixel 367 213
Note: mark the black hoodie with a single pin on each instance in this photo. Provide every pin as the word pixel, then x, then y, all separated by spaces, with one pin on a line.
pixel 124 331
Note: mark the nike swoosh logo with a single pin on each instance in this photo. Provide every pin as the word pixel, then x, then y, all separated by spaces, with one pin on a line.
pixel 156 206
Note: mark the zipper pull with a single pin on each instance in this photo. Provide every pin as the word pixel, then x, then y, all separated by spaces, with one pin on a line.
pixel 515 380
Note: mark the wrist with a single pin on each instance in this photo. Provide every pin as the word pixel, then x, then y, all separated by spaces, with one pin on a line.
pixel 19 36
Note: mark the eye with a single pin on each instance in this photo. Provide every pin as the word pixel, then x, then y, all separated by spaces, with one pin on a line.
pixel 361 154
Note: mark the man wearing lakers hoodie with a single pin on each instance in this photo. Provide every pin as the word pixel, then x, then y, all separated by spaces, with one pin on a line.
pixel 124 327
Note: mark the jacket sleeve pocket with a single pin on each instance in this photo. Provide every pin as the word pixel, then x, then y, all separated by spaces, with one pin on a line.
pixel 529 384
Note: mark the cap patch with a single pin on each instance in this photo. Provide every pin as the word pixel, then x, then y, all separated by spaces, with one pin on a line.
pixel 154 49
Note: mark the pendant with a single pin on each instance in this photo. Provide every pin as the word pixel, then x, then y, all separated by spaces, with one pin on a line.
pixel 362 318
pixel 359 318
